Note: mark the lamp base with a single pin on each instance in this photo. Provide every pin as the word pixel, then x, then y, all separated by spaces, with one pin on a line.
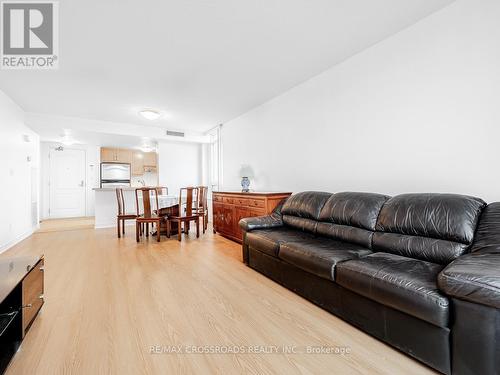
pixel 245 184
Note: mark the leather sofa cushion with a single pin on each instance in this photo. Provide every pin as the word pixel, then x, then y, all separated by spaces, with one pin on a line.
pixel 405 284
pixel 474 278
pixel 346 233
pixel 307 204
pixel 447 217
pixel 268 240
pixel 300 223
pixel 424 248
pixel 353 209
pixel 319 256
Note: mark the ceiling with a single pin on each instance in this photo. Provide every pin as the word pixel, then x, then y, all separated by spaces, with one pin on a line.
pixel 202 62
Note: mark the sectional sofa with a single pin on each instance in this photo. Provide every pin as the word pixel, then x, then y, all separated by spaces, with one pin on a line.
pixel 420 272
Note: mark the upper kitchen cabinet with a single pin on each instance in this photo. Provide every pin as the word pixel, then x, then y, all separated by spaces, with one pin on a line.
pixel 124 155
pixel 137 163
pixel 150 159
pixel 108 154
pixel 116 155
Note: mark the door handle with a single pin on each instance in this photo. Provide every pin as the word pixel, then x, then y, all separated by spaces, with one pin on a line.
pixel 82 183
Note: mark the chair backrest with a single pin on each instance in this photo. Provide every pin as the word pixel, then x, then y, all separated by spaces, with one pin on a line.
pixel 120 201
pixel 203 193
pixel 188 196
pixel 148 196
pixel 162 190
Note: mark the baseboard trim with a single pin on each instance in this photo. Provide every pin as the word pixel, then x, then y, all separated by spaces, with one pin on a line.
pixel 16 240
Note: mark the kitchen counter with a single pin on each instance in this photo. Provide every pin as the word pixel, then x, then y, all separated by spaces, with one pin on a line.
pixel 106 206
pixel 125 188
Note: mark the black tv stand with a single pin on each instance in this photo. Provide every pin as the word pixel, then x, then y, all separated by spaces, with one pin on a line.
pixel 21 297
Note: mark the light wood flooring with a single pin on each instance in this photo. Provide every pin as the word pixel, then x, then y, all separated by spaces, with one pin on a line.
pixel 59 225
pixel 108 301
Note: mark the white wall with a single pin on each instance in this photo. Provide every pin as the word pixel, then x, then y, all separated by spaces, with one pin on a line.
pixel 179 165
pixel 419 111
pixel 19 188
pixel 92 163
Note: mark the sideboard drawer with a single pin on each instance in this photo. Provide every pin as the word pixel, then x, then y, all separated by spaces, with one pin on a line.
pixel 228 200
pixel 217 198
pixel 257 203
pixel 242 201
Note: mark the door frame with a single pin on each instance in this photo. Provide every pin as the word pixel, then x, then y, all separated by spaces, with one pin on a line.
pixel 49 171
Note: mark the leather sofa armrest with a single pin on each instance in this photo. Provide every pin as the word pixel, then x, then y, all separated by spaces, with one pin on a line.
pixel 273 220
pixel 473 277
pixel 261 222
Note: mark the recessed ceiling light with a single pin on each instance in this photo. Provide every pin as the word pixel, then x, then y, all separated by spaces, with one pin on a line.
pixel 150 114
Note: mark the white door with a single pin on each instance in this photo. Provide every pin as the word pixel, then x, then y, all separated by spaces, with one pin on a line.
pixel 67 183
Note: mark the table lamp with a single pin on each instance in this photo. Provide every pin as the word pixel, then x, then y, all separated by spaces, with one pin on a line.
pixel 246 173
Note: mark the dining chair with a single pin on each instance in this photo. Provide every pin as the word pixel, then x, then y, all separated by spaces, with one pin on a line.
pixel 122 215
pixel 188 201
pixel 148 196
pixel 162 190
pixel 203 206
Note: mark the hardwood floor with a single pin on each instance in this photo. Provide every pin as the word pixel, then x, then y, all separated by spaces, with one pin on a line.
pixel 58 225
pixel 108 301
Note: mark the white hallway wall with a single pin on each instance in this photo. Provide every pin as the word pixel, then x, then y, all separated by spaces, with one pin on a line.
pixel 19 188
pixel 417 112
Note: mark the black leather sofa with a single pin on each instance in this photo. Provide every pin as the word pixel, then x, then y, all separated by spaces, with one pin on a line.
pixel 419 271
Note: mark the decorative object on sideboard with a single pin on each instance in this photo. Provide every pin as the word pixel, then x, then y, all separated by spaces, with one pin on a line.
pixel 246 173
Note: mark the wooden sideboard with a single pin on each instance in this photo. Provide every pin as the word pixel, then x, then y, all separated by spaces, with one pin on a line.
pixel 229 207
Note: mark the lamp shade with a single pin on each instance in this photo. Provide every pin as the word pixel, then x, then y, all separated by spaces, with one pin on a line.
pixel 246 171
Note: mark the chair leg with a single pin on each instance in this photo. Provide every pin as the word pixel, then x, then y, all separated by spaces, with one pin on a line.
pixel 168 228
pixel 118 226
pixel 158 230
pixel 123 227
pixel 179 230
pixel 203 222
pixel 147 229
pixel 137 230
pixel 198 227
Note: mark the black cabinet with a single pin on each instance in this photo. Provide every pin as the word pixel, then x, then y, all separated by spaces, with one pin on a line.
pixel 21 297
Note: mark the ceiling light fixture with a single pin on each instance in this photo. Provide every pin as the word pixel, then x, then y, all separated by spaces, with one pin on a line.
pixel 150 114
pixel 147 145
pixel 66 138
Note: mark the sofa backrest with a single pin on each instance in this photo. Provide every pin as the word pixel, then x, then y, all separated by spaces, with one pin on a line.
pixel 432 227
pixel 351 217
pixel 302 210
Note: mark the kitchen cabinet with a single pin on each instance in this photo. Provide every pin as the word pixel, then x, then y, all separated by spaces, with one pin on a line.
pixel 137 163
pixel 124 155
pixel 149 159
pixel 116 155
pixel 108 155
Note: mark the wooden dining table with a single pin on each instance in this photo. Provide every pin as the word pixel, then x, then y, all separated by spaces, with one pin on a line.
pixel 164 201
pixel 168 205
